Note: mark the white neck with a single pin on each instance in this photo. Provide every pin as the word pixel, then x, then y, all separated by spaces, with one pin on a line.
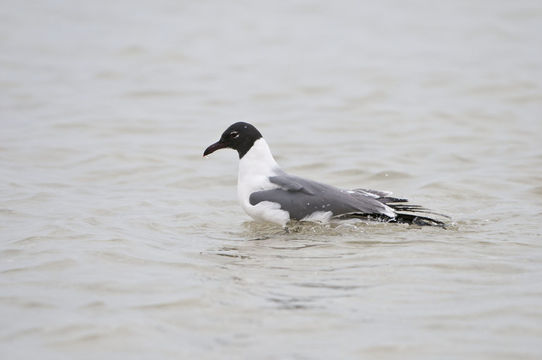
pixel 258 161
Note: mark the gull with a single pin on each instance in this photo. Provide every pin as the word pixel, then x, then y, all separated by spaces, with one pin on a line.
pixel 267 193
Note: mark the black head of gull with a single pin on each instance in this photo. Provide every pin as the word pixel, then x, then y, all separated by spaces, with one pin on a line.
pixel 239 136
pixel 268 193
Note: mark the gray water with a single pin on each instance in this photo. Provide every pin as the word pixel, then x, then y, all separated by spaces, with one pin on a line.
pixel 117 240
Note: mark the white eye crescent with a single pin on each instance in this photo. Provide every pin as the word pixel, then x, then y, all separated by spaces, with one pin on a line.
pixel 234 134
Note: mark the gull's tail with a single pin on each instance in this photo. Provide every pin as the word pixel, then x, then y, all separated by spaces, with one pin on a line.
pixel 413 214
pixel 406 213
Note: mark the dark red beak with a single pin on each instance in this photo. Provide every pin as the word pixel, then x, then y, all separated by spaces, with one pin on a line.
pixel 214 147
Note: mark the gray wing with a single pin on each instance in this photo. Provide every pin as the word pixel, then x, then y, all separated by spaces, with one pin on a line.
pixel 382 196
pixel 302 197
pixel 290 184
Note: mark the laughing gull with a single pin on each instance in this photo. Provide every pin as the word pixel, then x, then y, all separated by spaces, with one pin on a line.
pixel 267 193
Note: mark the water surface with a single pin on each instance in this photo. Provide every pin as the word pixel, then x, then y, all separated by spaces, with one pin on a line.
pixel 118 240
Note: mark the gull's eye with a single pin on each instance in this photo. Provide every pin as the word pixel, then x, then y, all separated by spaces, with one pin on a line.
pixel 234 134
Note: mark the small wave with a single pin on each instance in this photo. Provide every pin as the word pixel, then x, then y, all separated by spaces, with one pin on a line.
pixel 389 174
pixel 50 265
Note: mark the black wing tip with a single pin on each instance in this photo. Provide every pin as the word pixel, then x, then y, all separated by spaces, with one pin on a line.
pixel 400 218
pixel 418 215
pixel 419 220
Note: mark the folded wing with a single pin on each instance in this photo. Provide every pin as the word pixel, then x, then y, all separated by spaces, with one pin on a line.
pixel 302 197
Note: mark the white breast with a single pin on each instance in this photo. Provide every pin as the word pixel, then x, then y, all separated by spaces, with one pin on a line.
pixel 255 168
